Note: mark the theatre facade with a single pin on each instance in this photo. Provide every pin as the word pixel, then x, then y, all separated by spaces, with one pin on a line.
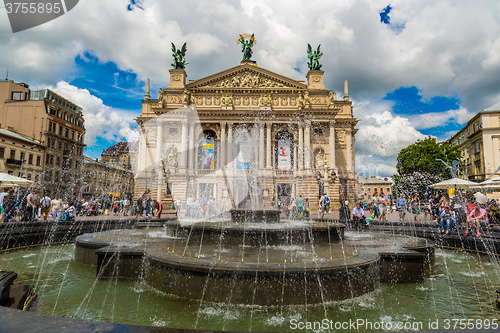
pixel 246 130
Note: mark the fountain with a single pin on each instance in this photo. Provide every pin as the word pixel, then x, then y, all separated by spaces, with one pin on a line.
pixel 263 261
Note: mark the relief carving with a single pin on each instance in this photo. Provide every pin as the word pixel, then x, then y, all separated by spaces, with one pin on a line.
pixel 246 80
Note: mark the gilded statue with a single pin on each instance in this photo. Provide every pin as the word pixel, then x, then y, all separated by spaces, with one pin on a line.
pixel 179 57
pixel 314 57
pixel 247 45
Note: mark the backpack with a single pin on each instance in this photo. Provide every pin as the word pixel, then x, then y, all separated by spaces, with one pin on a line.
pixel 327 200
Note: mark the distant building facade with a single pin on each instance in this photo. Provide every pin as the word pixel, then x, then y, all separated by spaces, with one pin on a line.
pixel 119 154
pixel 479 144
pixel 20 156
pixel 368 186
pixel 102 179
pixel 51 121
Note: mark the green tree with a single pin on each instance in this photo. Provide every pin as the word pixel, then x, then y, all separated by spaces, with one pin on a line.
pixel 418 165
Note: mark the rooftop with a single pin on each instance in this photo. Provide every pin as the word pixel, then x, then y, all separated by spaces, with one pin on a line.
pixel 120 147
pixel 18 136
pixel 40 95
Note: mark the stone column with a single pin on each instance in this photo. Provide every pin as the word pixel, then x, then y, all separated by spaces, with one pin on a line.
pixel 261 147
pixel 230 143
pixel 348 140
pixel 222 159
pixel 300 156
pixel 332 145
pixel 159 167
pixel 307 149
pixel 142 151
pixel 191 156
pixel 269 146
pixel 184 146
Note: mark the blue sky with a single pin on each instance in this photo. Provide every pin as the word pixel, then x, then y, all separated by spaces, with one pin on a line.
pixel 414 68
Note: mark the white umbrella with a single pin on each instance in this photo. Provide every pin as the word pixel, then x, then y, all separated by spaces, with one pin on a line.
pixel 481 198
pixel 10 180
pixel 453 183
pixel 493 181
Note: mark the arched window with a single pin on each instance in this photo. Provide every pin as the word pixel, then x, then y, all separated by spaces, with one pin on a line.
pixel 283 151
pixel 207 150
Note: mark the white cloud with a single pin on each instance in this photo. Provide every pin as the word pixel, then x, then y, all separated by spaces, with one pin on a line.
pixel 100 119
pixel 436 119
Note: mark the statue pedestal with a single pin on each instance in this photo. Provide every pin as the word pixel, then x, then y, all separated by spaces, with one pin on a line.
pixel 177 79
pixel 315 80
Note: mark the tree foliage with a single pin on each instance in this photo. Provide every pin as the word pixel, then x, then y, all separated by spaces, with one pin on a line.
pixel 422 157
pixel 418 165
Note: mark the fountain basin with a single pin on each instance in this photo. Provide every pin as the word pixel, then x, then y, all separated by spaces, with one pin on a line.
pixel 210 263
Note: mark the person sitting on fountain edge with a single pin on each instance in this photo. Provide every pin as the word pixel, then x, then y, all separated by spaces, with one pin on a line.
pixel 447 218
pixel 478 215
pixel 358 216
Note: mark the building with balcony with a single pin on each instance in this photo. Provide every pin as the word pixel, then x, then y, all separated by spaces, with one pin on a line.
pixel 479 143
pixel 53 122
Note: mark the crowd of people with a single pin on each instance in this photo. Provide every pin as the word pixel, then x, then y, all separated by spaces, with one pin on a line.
pixel 447 212
pixel 17 205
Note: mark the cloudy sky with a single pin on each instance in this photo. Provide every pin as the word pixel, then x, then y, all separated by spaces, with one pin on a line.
pixel 415 68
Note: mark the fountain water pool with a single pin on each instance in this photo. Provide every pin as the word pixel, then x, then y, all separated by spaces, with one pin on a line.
pixel 458 285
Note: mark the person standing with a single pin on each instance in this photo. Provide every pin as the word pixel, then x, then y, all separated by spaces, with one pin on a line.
pixel 141 203
pixel 57 206
pixel 300 206
pixel 4 194
pixel 401 206
pixel 326 204
pixel 415 205
pixel 382 207
pixel 45 202
pixel 32 201
pixel 306 208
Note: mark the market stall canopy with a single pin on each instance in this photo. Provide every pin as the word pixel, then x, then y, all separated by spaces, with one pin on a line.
pixel 453 183
pixel 10 180
pixel 481 198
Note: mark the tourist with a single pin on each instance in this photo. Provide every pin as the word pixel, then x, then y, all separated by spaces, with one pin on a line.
pixel 374 202
pixel 477 215
pixel 415 206
pixel 57 206
pixel 294 207
pixel 141 203
pixel 447 218
pixel 9 205
pixel 288 207
pixel 306 208
pixel 45 203
pixel 469 199
pixel 434 206
pixel 126 206
pixel 177 207
pixel 326 204
pixel 358 216
pixel 382 207
pixel 32 202
pixel 371 216
pixel 401 205
pixel 157 209
pixel 4 194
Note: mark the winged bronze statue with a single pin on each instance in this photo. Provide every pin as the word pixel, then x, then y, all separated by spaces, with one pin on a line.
pixel 179 57
pixel 314 57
